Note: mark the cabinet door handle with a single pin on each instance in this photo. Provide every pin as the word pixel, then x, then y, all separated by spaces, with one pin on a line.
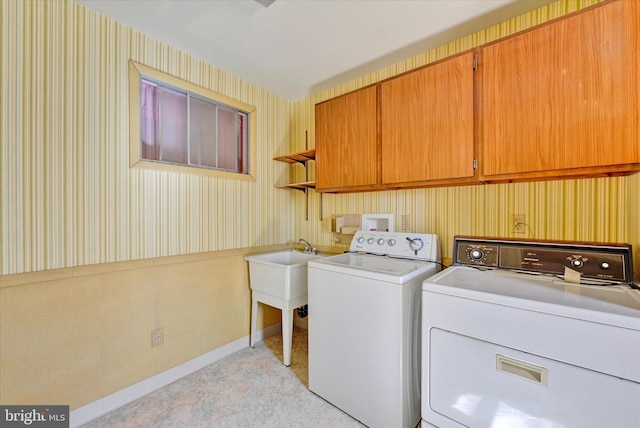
pixel 522 369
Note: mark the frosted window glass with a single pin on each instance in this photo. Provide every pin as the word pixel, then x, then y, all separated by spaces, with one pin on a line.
pixel 227 139
pixel 173 125
pixel 184 128
pixel 150 121
pixel 202 133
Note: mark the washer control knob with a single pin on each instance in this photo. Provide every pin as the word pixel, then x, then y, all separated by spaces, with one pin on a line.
pixel 577 263
pixel 381 241
pixel 415 244
pixel 370 241
pixel 391 242
pixel 476 254
pixel 605 265
pixel 361 240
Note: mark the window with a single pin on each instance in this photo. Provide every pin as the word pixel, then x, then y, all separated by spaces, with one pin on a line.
pixel 176 125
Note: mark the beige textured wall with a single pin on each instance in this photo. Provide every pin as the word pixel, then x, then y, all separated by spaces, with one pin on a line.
pixel 74 336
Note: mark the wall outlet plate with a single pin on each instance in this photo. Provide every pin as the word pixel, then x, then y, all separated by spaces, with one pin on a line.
pixel 518 223
pixel 406 223
pixel 157 337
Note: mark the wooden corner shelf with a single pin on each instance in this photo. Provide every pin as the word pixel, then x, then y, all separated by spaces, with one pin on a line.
pixel 299 186
pixel 300 157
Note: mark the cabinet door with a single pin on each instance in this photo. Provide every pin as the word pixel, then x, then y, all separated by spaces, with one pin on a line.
pixel 563 98
pixel 427 123
pixel 346 142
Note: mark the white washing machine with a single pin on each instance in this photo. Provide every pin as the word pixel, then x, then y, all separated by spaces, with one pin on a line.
pixel 364 326
pixel 532 334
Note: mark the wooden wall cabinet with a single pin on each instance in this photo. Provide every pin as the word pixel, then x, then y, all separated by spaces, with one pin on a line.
pixel 561 100
pixel 347 142
pixel 427 125
pixel 423 134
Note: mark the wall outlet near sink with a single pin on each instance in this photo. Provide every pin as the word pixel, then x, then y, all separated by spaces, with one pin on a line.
pixel 157 337
pixel 518 223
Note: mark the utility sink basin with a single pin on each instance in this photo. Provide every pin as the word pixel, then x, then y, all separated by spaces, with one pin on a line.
pixel 282 274
pixel 279 279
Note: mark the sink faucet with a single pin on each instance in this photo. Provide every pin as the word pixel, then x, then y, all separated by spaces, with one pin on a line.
pixel 307 247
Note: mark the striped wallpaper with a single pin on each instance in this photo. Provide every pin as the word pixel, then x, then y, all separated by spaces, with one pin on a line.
pixel 633 200
pixel 68 197
pixel 585 209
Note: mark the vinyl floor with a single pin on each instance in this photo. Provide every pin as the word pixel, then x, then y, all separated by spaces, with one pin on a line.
pixel 251 388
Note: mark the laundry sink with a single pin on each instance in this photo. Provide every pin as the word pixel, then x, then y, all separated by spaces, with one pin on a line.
pixel 278 279
pixel 282 274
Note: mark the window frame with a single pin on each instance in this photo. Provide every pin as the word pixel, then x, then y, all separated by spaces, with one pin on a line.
pixel 138 71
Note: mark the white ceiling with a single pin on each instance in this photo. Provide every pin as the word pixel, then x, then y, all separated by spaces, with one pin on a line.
pixel 296 48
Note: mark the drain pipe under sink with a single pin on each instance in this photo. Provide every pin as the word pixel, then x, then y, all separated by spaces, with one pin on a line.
pixel 303 311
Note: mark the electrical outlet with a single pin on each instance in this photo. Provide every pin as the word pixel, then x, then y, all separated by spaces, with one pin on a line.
pixel 518 223
pixel 406 222
pixel 157 337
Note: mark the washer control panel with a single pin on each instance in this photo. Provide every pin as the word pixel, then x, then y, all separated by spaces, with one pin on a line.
pixel 418 246
pixel 608 262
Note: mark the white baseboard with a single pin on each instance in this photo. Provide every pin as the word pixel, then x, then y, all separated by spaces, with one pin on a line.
pixel 125 396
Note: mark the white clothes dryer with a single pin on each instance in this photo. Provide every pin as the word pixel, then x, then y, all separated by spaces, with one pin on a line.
pixel 532 334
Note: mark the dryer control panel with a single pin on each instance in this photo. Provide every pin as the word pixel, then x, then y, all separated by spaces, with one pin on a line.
pixel 600 261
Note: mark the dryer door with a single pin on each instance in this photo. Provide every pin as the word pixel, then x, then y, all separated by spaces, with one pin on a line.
pixel 477 383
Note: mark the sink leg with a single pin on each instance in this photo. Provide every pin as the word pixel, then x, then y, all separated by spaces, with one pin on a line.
pixel 287 334
pixel 254 322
